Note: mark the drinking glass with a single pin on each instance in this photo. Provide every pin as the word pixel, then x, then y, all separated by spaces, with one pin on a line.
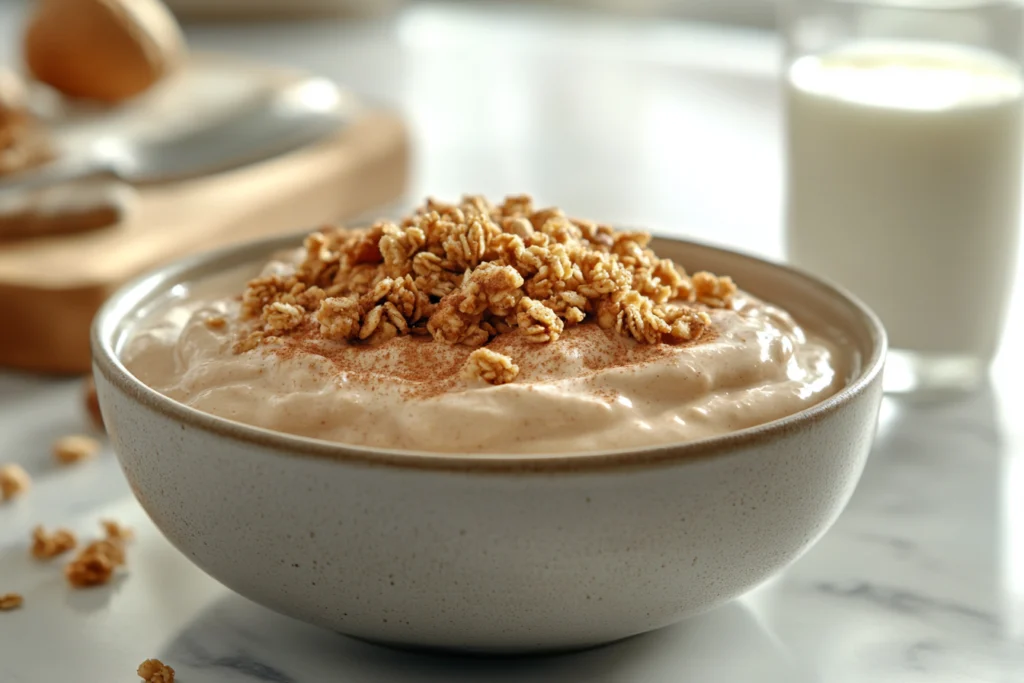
pixel 903 138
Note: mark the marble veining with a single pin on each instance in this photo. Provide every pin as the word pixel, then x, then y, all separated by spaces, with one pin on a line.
pixel 906 602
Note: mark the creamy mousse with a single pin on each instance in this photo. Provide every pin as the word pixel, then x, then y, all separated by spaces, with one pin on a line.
pixel 473 328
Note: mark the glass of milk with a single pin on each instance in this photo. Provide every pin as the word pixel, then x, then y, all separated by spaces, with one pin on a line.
pixel 903 171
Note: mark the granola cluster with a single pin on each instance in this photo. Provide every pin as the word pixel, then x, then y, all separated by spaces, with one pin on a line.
pixel 155 671
pixel 46 545
pixel 10 601
pixel 93 566
pixel 465 273
pixel 491 366
pixel 97 562
pixel 68 450
pixel 14 481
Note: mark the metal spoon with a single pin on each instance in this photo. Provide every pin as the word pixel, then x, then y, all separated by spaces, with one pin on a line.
pixel 283 120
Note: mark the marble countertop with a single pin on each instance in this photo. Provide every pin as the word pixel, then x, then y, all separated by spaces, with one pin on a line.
pixel 921 579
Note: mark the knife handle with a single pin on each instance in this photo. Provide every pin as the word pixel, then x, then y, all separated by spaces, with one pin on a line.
pixel 62 170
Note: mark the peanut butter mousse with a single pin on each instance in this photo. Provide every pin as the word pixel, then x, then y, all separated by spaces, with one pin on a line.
pixel 473 328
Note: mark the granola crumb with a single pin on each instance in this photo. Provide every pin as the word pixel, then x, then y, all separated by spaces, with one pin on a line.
pixel 116 532
pixel 76 448
pixel 490 366
pixel 48 545
pixel 14 481
pixel 86 571
pixel 155 671
pixel 712 290
pixel 92 403
pixel 215 322
pixel 95 564
pixel 281 318
pixel 10 601
pixel 112 550
pixel 464 273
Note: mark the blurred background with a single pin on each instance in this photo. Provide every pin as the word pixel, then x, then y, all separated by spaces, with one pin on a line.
pixel 650 112
pixel 661 114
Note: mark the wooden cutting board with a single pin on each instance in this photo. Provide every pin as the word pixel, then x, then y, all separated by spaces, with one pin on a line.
pixel 50 287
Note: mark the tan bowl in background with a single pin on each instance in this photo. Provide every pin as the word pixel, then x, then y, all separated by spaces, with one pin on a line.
pixel 483 552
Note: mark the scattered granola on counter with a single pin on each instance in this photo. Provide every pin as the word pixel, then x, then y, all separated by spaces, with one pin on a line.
pixel 155 671
pixel 89 569
pixel 95 564
pixel 49 545
pixel 14 481
pixel 10 601
pixel 116 531
pixel 71 449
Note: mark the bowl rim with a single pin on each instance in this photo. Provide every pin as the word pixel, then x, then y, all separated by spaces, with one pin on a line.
pixel 107 363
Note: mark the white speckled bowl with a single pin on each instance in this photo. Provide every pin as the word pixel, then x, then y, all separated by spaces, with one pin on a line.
pixel 493 553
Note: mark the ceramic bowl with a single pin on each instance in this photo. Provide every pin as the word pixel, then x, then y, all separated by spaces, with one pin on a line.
pixel 490 553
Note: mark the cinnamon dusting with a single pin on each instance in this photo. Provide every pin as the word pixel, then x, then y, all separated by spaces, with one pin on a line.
pixel 471 273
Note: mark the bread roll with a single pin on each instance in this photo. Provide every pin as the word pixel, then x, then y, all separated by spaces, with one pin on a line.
pixel 107 50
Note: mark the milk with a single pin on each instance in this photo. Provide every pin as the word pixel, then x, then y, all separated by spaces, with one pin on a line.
pixel 904 186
